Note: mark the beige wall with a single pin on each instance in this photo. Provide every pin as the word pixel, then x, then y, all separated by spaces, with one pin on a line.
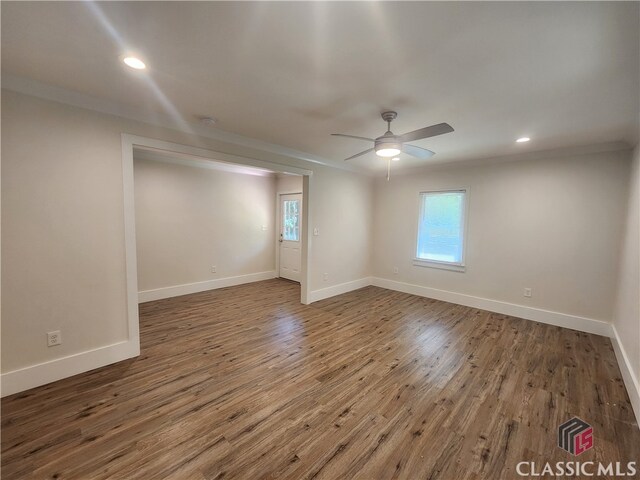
pixel 344 218
pixel 289 183
pixel 63 262
pixel 62 246
pixel 551 224
pixel 627 311
pixel 189 219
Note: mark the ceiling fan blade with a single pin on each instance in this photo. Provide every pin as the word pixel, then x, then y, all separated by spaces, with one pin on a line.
pixel 417 152
pixel 426 132
pixel 353 136
pixel 358 154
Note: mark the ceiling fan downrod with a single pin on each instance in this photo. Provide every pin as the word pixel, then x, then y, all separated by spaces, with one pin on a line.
pixel 389 117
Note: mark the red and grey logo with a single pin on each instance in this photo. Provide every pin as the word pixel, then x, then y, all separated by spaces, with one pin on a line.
pixel 575 436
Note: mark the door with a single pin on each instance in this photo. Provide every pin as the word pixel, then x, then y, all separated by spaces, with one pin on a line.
pixel 290 236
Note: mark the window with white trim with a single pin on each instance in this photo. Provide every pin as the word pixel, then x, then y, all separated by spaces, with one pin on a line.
pixel 291 220
pixel 441 229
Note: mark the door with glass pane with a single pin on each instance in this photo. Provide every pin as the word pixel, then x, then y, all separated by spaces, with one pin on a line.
pixel 290 236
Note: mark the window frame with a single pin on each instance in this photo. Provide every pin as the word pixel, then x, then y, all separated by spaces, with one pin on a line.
pixel 442 265
pixel 298 228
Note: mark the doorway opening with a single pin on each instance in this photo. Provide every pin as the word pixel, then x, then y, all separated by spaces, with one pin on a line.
pixel 184 155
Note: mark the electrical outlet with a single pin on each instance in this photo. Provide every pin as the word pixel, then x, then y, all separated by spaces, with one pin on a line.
pixel 54 338
pixel 325 276
pixel 395 270
pixel 214 269
pixel 316 231
pixel 264 228
pixel 527 292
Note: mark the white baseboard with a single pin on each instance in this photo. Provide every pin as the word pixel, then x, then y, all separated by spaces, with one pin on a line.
pixel 582 324
pixel 339 289
pixel 47 372
pixel 574 322
pixel 186 289
pixel 628 375
pixel 43 373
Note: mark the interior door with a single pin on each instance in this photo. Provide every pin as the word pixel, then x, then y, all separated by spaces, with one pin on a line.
pixel 290 236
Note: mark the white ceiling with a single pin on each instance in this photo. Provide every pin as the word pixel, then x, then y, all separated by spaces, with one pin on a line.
pixel 564 74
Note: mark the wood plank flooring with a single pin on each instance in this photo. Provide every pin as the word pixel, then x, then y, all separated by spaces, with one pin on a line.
pixel 246 383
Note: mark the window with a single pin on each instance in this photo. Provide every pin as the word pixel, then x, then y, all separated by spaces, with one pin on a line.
pixel 441 230
pixel 291 219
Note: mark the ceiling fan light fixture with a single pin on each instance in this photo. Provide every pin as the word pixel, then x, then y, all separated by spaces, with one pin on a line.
pixel 388 149
pixel 387 152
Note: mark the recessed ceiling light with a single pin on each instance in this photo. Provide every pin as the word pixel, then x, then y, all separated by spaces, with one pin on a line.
pixel 396 159
pixel 523 139
pixel 134 62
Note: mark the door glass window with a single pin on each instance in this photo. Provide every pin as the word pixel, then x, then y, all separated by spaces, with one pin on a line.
pixel 291 221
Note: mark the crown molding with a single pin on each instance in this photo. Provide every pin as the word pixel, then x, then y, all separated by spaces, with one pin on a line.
pixel 573 151
pixel 53 93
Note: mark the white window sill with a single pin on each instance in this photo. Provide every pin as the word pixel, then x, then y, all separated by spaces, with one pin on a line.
pixel 454 267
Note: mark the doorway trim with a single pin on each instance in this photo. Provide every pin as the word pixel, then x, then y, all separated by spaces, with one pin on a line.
pixel 129 142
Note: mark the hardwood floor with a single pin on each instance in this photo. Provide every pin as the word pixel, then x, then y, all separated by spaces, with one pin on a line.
pixel 246 383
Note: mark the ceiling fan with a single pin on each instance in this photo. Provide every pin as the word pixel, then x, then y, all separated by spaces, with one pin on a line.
pixel 390 145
